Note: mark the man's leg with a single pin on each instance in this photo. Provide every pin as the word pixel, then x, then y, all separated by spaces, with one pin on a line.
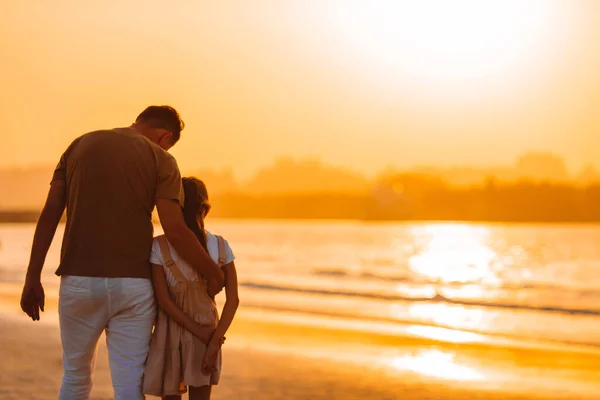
pixel 83 314
pixel 128 334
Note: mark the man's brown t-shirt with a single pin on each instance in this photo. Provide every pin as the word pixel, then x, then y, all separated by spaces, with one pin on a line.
pixel 113 180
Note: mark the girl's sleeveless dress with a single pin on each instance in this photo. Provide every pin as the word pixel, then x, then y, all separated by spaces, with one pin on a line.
pixel 175 358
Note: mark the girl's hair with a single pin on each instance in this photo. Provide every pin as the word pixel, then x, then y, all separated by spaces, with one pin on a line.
pixel 196 204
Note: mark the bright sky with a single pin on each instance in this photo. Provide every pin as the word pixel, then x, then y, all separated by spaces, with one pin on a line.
pixel 363 84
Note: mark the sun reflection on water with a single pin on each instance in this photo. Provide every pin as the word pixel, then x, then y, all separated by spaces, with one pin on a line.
pixel 452 316
pixel 455 253
pixel 444 334
pixel 437 364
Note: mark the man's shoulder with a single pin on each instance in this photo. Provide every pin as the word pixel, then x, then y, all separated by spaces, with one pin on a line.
pixel 126 136
pixel 166 161
pixel 119 133
pixel 160 154
pixel 99 132
pixel 99 136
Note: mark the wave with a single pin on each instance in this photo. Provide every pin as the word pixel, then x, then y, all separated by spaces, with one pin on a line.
pixel 420 280
pixel 343 273
pixel 438 298
pixel 335 272
pixel 519 338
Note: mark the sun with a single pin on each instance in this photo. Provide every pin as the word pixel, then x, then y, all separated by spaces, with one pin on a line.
pixel 444 39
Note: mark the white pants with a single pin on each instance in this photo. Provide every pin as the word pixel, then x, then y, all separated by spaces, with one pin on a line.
pixel 125 309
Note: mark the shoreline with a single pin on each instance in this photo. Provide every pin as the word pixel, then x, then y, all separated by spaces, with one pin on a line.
pixel 400 331
pixel 372 362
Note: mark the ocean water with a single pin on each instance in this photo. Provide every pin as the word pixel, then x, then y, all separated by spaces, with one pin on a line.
pixel 533 282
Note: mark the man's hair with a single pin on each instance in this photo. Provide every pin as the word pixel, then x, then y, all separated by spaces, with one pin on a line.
pixel 163 117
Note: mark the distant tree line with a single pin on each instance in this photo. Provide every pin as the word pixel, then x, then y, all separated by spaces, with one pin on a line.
pixel 427 199
pixel 413 197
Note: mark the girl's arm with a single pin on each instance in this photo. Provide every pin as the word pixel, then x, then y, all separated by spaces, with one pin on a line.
pixel 161 291
pixel 229 309
pixel 231 303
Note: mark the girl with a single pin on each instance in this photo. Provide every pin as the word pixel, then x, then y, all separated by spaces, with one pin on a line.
pixel 185 350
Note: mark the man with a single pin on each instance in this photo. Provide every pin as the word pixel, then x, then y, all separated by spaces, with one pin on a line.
pixel 109 181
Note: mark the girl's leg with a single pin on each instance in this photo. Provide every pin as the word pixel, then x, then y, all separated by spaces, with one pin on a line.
pixel 200 393
pixel 172 397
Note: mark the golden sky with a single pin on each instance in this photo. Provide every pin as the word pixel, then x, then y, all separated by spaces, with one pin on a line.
pixel 363 84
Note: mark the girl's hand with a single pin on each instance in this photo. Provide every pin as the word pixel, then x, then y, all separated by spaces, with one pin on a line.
pixel 209 362
pixel 203 332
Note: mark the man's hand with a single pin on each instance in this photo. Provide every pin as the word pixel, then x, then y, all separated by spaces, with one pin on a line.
pixel 32 299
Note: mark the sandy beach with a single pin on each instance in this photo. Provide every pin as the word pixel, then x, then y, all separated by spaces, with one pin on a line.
pixel 273 355
pixel 401 199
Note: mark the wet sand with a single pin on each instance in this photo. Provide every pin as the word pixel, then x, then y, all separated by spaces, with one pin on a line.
pixel 272 355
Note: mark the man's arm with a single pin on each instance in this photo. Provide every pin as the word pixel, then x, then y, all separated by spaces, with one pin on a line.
pixel 186 243
pixel 32 299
